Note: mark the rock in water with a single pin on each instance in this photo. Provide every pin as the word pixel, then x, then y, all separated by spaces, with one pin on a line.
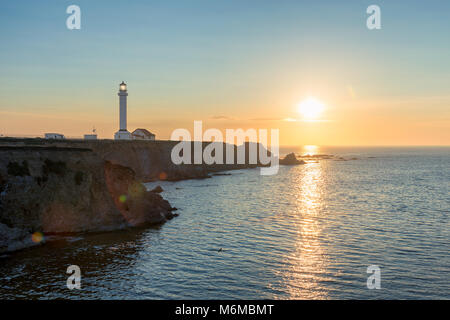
pixel 157 189
pixel 290 160
pixel 12 239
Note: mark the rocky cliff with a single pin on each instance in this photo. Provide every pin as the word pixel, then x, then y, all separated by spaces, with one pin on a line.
pixel 54 186
pixel 65 190
pixel 151 160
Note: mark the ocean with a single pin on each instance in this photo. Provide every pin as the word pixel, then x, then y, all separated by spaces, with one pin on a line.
pixel 309 232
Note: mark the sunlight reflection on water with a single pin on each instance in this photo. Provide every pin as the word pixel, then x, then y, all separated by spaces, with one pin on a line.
pixel 307 264
pixel 311 150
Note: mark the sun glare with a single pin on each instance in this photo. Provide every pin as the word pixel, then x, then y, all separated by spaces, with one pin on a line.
pixel 310 108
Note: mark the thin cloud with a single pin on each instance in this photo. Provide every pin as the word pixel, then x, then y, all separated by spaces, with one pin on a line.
pixel 315 120
pixel 221 117
pixel 266 119
pixel 290 120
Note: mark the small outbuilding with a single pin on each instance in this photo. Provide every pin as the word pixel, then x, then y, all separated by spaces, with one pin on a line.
pixel 90 137
pixel 142 134
pixel 58 136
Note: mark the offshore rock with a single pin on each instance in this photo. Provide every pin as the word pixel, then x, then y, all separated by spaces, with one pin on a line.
pixel 290 160
pixel 157 189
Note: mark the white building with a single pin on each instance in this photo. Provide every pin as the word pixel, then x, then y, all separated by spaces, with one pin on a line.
pixel 54 136
pixel 92 136
pixel 123 133
pixel 142 134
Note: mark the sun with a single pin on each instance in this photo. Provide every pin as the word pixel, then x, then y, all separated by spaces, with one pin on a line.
pixel 310 108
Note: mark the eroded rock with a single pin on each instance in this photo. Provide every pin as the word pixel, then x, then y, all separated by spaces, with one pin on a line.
pixel 291 159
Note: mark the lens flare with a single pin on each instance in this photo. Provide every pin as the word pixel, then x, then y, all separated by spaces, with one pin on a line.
pixel 123 198
pixel 162 176
pixel 37 237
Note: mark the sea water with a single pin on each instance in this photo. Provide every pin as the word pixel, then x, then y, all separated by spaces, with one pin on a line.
pixel 309 232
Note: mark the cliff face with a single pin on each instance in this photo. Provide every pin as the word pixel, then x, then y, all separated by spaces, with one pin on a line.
pixel 150 160
pixel 66 190
pixel 52 186
pixel 136 205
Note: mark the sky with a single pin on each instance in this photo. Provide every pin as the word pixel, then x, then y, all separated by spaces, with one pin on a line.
pixel 232 64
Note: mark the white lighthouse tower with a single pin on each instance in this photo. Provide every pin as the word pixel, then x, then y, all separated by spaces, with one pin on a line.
pixel 123 133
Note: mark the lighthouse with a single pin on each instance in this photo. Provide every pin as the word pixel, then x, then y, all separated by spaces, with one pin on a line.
pixel 123 133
